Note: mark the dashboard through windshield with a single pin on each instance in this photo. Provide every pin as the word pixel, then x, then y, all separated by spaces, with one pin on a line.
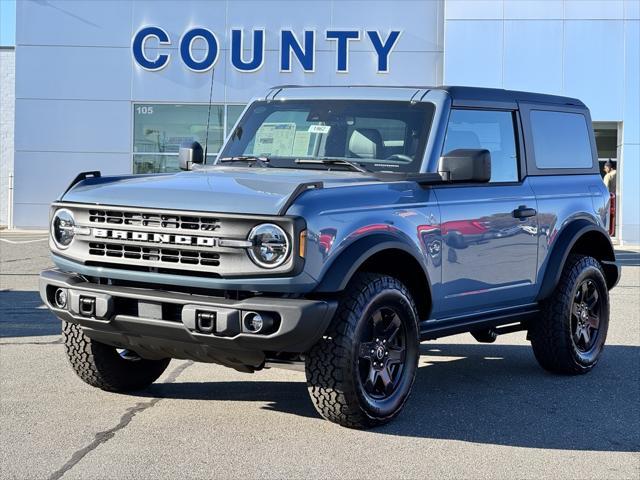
pixel 379 136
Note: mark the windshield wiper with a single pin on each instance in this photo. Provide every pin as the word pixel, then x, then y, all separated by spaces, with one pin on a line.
pixel 334 161
pixel 261 161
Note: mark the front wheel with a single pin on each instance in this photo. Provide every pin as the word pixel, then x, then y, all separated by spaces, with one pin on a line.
pixel 361 372
pixel 570 335
pixel 106 367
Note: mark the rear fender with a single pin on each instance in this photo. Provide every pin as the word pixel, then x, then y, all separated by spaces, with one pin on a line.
pixel 568 240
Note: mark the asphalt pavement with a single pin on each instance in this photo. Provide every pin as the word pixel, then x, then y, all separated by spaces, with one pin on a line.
pixel 476 411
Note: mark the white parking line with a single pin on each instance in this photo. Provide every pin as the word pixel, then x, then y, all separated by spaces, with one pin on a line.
pixel 17 242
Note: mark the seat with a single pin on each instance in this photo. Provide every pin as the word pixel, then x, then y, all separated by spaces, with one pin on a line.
pixel 365 143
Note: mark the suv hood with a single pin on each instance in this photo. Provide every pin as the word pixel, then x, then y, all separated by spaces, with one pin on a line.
pixel 216 189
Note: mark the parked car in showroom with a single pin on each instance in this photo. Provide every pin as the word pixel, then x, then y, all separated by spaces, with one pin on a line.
pixel 338 228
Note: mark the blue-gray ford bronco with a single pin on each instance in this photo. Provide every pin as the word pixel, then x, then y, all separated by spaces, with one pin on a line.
pixel 337 229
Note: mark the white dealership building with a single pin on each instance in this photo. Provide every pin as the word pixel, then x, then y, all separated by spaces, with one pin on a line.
pixel 117 85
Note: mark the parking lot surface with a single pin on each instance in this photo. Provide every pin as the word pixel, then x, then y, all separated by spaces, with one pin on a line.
pixel 476 411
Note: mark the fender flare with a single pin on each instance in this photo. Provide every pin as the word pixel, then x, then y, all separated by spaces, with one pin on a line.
pixel 341 270
pixel 561 248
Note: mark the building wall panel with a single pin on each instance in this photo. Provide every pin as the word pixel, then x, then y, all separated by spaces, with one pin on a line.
pixel 534 10
pixel 593 65
pixel 473 53
pixel 87 126
pixel 53 171
pixel 99 23
pixel 542 71
pixel 63 72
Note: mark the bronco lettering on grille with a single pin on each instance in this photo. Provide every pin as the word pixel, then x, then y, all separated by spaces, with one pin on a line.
pixel 163 238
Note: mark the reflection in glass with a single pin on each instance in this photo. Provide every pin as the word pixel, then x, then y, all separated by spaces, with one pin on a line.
pixel 163 128
pixel 160 129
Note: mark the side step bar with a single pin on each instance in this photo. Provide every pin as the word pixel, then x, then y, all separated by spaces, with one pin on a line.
pixel 510 320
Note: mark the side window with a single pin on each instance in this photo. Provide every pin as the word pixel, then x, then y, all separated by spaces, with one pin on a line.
pixel 490 129
pixel 560 140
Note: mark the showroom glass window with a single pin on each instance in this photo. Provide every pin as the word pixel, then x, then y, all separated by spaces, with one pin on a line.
pixel 160 129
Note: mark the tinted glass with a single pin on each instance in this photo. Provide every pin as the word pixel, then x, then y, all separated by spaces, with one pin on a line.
pixel 492 130
pixel 382 136
pixel 560 140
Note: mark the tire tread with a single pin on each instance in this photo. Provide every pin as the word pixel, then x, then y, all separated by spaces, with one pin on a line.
pixel 551 334
pixel 332 392
pixel 98 364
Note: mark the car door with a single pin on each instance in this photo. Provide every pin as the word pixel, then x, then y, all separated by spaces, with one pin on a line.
pixel 489 231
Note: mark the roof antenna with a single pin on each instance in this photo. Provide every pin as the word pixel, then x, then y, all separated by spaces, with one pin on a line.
pixel 206 136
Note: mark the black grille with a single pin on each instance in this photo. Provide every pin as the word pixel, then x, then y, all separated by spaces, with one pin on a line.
pixel 157 220
pixel 154 254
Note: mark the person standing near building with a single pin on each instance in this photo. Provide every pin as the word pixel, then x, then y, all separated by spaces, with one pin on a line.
pixel 609 178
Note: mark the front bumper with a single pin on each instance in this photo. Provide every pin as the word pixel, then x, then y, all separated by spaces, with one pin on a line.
pixel 160 323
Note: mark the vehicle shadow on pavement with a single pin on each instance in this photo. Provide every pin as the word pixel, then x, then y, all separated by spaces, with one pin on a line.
pixel 492 394
pixel 498 394
pixel 286 397
pixel 22 314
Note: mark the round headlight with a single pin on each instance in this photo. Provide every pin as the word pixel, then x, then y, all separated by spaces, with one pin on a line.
pixel 269 245
pixel 63 228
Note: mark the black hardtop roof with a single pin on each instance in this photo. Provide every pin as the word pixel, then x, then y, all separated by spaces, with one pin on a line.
pixel 466 94
pixel 501 95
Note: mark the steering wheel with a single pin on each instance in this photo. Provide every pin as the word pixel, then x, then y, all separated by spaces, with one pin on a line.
pixel 400 157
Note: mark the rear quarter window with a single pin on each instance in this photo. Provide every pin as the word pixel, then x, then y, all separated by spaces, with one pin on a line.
pixel 560 140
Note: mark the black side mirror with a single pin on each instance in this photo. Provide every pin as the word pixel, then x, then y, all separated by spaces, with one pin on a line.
pixel 190 154
pixel 466 165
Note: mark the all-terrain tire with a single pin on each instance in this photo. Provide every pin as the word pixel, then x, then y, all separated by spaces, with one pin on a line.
pixel 332 364
pixel 552 335
pixel 103 367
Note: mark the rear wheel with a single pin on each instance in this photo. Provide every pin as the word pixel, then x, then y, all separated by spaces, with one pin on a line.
pixel 107 367
pixel 570 336
pixel 361 372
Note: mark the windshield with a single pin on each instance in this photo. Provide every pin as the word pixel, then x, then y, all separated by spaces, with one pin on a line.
pixel 380 136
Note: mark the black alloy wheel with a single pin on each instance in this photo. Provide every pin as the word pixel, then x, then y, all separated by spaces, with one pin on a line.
pixel 382 353
pixel 585 316
pixel 361 371
pixel 570 334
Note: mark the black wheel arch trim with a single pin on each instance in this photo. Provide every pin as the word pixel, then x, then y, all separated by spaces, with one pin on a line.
pixel 567 239
pixel 348 262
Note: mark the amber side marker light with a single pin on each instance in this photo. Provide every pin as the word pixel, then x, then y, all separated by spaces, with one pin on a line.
pixel 302 250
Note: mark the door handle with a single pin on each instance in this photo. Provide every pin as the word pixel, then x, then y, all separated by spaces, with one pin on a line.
pixel 523 212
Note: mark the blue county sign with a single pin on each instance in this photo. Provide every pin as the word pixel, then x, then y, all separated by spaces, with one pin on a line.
pixel 294 49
